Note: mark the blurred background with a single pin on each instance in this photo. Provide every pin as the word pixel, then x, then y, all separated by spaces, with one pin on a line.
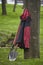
pixel 10 11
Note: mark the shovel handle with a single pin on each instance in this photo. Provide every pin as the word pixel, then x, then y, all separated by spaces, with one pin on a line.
pixel 12 47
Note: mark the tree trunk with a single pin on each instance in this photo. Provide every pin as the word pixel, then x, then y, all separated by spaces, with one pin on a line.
pixel 14 5
pixel 25 3
pixel 3 7
pixel 34 7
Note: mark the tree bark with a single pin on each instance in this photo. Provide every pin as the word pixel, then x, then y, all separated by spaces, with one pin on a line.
pixel 34 7
pixel 14 8
pixel 4 7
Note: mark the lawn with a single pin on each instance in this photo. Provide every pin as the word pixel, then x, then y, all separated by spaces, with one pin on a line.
pixel 9 24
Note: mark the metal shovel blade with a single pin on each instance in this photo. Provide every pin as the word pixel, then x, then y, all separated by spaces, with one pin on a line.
pixel 12 55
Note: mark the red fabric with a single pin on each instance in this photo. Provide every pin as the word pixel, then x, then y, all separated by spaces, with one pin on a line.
pixel 25 14
pixel 27 37
pixel 25 29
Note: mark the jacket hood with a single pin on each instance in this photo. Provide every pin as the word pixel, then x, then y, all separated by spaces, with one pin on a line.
pixel 25 14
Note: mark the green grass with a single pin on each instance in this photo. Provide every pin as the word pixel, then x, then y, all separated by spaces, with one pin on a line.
pixel 9 24
pixel 20 60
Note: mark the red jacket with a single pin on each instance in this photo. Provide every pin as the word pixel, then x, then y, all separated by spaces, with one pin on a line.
pixel 23 35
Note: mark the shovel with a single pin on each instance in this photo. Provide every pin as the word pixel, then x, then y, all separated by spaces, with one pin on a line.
pixel 12 54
